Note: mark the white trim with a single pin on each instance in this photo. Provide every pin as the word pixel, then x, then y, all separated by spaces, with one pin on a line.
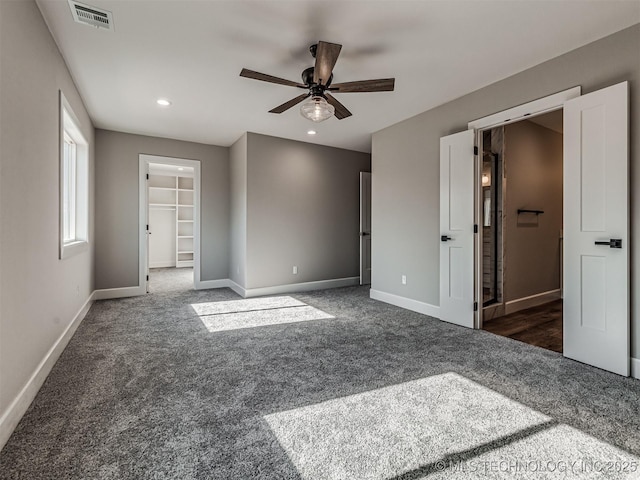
pixel 73 248
pixel 237 288
pixel 70 126
pixel 635 368
pixel 278 289
pixel 299 287
pixel 142 224
pixel 532 301
pixel 144 160
pixel 222 283
pixel 21 402
pixel 536 107
pixel 124 292
pixel 408 303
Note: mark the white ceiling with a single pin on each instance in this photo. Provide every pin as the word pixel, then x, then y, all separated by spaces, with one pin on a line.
pixel 191 52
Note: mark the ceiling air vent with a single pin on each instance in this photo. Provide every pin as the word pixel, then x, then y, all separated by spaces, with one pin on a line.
pixel 91 15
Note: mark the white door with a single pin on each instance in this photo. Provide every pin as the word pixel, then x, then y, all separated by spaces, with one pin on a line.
pixel 596 224
pixel 162 237
pixel 365 228
pixel 456 228
pixel 146 221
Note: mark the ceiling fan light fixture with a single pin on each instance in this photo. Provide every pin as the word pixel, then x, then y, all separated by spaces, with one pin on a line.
pixel 317 109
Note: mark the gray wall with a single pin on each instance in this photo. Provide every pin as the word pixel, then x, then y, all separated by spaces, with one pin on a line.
pixel 39 293
pixel 533 172
pixel 238 212
pixel 303 210
pixel 405 163
pixel 117 166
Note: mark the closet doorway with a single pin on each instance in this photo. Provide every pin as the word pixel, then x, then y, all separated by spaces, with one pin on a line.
pixel 171 226
pixel 595 228
pixel 521 228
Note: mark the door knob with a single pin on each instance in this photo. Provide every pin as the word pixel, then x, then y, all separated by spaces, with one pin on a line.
pixel 612 243
pixel 445 238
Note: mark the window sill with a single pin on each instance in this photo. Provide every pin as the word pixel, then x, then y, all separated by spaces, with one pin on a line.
pixel 73 248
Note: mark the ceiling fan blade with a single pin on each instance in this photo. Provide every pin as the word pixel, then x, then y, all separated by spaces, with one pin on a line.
pixel 287 105
pixel 326 58
pixel 269 78
pixel 379 85
pixel 341 111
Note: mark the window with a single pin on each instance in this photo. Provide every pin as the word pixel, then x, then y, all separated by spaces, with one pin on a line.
pixel 74 183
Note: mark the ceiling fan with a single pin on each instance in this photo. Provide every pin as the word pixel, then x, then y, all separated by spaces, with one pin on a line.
pixel 317 80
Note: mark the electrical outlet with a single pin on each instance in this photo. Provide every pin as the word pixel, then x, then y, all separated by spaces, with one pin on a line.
pixel 295 270
pixel 404 279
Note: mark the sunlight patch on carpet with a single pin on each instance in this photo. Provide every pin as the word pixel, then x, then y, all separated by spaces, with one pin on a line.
pixel 560 451
pixel 420 429
pixel 255 312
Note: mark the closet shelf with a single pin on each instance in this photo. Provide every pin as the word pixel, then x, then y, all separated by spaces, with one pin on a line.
pixel 175 195
pixel 527 210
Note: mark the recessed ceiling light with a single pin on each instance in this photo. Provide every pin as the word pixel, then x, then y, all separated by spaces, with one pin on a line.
pixel 311 132
pixel 180 168
pixel 163 102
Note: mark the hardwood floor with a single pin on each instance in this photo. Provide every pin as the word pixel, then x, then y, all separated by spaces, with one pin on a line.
pixel 540 326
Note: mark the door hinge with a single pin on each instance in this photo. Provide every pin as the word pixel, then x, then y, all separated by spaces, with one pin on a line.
pixel 475 150
pixel 147 176
pixel 147 278
pixel 475 306
pixel 147 227
pixel 475 228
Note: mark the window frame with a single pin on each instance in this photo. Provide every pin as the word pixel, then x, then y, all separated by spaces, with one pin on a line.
pixel 70 134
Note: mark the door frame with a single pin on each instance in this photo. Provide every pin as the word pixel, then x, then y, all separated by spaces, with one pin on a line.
pixel 365 211
pixel 505 117
pixel 143 216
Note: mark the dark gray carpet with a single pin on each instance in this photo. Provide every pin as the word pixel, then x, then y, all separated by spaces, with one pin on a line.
pixel 145 391
pixel 171 279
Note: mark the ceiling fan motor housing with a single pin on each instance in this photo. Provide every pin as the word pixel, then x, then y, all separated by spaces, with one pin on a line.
pixel 307 77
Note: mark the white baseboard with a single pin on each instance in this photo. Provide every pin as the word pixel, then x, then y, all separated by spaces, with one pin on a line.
pixel 109 293
pixel 299 287
pixel 408 303
pixel 206 284
pixel 635 368
pixel 21 402
pixel 237 288
pixel 532 301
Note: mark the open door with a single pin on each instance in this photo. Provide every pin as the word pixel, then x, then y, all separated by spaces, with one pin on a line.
pixel 457 228
pixel 596 224
pixel 365 228
pixel 146 206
